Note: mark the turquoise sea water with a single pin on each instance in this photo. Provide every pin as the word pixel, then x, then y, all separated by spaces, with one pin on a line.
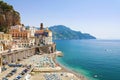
pixel 92 57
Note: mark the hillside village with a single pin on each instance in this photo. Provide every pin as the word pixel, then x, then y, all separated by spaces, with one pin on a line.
pixel 20 37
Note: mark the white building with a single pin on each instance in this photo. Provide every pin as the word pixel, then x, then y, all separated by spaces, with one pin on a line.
pixel 32 30
pixel 18 27
pixel 48 37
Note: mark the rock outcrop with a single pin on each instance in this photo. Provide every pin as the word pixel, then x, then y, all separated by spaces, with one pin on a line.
pixel 8 17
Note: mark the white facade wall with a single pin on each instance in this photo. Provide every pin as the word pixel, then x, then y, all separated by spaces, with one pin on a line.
pixel 32 41
pixel 48 40
pixel 32 31
pixel 17 27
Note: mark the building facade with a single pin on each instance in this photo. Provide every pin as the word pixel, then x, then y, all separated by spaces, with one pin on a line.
pixel 43 36
pixel 21 37
pixel 1 47
pixel 16 34
pixel 5 40
pixel 32 31
pixel 48 36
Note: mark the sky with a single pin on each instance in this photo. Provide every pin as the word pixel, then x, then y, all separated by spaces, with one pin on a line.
pixel 100 18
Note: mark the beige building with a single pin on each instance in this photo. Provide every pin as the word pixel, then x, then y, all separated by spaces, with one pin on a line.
pixel 1 47
pixel 18 27
pixel 6 40
pixel 7 37
pixel 22 38
pixel 23 43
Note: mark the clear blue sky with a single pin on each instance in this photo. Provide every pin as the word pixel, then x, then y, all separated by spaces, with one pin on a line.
pixel 100 18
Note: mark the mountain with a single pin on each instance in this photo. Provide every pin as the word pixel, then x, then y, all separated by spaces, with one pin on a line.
pixel 61 32
pixel 8 17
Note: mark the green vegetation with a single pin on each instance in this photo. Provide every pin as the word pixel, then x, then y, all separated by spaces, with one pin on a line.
pixel 61 32
pixel 5 6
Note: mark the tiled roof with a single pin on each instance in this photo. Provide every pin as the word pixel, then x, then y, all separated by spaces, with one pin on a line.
pixel 39 32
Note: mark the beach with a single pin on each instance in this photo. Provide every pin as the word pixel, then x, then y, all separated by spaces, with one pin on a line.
pixel 47 71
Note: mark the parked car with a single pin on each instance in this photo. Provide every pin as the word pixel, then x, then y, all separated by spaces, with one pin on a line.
pixel 19 76
pixel 14 70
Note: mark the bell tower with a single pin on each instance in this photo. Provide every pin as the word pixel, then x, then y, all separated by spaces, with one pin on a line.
pixel 41 26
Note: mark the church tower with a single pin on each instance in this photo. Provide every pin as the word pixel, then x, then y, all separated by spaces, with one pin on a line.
pixel 41 26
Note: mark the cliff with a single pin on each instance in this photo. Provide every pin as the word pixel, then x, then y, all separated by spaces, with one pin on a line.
pixel 8 17
pixel 61 32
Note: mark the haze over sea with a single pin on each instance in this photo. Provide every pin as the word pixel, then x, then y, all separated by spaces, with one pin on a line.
pixel 92 57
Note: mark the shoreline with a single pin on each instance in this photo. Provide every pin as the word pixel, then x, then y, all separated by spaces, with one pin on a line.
pixel 68 73
pixel 66 69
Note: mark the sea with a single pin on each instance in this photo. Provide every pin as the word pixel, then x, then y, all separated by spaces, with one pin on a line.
pixel 95 59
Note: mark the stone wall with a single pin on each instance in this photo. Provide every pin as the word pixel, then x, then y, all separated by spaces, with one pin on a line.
pixel 48 48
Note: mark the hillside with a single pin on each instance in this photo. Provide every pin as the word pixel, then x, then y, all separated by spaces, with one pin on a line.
pixel 8 17
pixel 61 32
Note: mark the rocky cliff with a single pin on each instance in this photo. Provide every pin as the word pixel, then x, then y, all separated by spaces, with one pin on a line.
pixel 8 17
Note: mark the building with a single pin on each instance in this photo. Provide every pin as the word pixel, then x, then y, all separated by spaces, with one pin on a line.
pixel 1 47
pixel 6 37
pixel 21 37
pixel 23 43
pixel 32 31
pixel 32 41
pixel 43 36
pixel 16 34
pixel 18 27
pixel 48 36
pixel 5 40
